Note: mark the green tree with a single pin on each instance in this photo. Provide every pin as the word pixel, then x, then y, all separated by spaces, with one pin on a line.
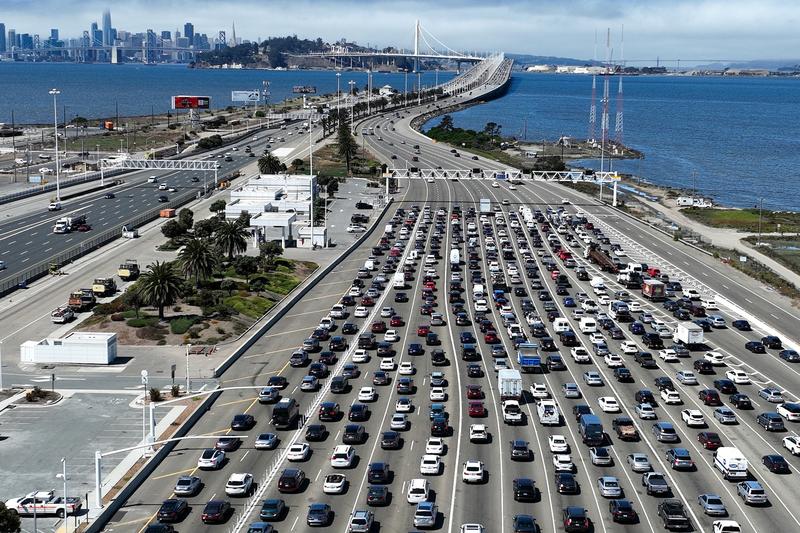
pixel 133 299
pixel 260 114
pixel 298 163
pixel 269 164
pixel 186 217
pixel 197 260
pixel 9 519
pixel 218 207
pixel 446 123
pixel 332 188
pixel 346 144
pixel 172 229
pixel 268 251
pixel 159 286
pixel 244 219
pixel 246 266
pixel 231 239
pixel 228 285
pixel 492 129
pixel 206 228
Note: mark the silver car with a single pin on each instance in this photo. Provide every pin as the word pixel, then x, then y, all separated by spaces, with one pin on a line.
pixel 609 487
pixel 638 462
pixel 187 486
pixel 712 505
pixel 426 514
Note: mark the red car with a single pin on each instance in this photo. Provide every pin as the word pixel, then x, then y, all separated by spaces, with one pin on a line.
pixel 378 327
pixel 394 252
pixel 709 397
pixel 423 330
pixel 474 392
pixel 366 301
pixel 490 337
pixel 430 285
pixel 476 409
pixel 396 321
pixel 709 440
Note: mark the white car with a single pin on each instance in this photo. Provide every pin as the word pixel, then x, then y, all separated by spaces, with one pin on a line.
pixel 481 306
pixel 562 462
pixel 434 445
pixel 790 411
pixel 608 404
pixel 495 184
pixel 792 444
pixel 715 358
pixel 406 369
pixel 580 355
pixel 355 292
pixel 430 465
pixel 361 312
pixel 596 337
pixel 739 377
pixel 539 390
pixel 360 356
pixel 472 472
pixel 239 485
pixel 211 459
pixel 558 444
pixel 391 336
pixel 399 422
pixel 162 187
pixel 629 347
pixel 603 299
pixel 403 405
pixel 668 355
pixel 726 526
pixel 671 397
pixel 478 433
pixel 417 492
pixel 334 484
pixel 366 394
pixel 693 418
pixel 356 229
pixel 327 322
pixel 298 451
pixel 343 456
pixel 438 394
pixel 613 360
pixel 634 306
pixel 387 363
pixel 386 312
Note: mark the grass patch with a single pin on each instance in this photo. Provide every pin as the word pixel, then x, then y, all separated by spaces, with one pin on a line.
pixel 745 219
pixel 130 313
pixel 142 322
pixel 784 250
pixel 181 325
pixel 281 282
pixel 252 306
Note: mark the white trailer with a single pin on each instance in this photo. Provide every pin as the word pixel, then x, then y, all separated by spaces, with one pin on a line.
pixel 688 333
pixel 509 383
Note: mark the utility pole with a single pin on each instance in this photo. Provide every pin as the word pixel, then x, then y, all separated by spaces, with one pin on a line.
pixel 760 208
pixel 14 148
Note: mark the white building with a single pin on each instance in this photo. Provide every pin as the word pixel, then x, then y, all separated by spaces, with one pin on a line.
pixel 540 68
pixel 75 348
pixel 387 90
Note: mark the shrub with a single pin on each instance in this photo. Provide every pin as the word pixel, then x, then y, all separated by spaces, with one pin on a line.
pixel 177 308
pixel 142 322
pixel 194 334
pixel 221 330
pixel 162 342
pixel 175 391
pixel 115 306
pixel 150 333
pixel 117 317
pixel 155 394
pixel 181 325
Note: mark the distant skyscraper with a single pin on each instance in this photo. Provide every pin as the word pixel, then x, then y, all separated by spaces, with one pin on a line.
pixel 2 37
pixel 107 28
pixel 12 39
pixel 53 34
pixel 166 36
pixel 188 32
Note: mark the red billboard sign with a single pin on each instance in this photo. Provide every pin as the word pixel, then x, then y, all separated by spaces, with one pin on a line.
pixel 191 102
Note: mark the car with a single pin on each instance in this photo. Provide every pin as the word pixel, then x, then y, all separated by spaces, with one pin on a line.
pixel 703 366
pixel 268 395
pixel 216 512
pixel 360 521
pixel 475 409
pixel 622 511
pixel 291 480
pixel 437 394
pixel 686 377
pixel 430 465
pixel 725 415
pixel 622 374
pixel 211 459
pixel 751 492
pixel 434 445
pixel 645 411
pixel 608 487
pixel 575 520
pixel 474 371
pixel 273 509
pixel 399 422
pixel 367 394
pixel 639 462
pixel 163 199
pixel 378 495
pixel 390 440
pixel 712 504
pixel 406 368
pixel 426 515
pixel 709 397
pixel 558 444
pixel 668 355
pixel 334 484
pixel 665 432
pixel 592 378
pixel 790 356
pixel 608 404
pixel 755 347
pixel 725 386
pixel 740 401
pixel 319 514
pixel 776 464
pixel 693 418
pixel 478 433
pixel 172 510
pixel 309 384
pixel 613 360
pixel 792 443
pixel 709 440
pixel 679 458
pixel 771 394
pixel 523 523
pixel 378 473
pixel 316 432
pixel 187 486
pixel 239 484
pixel 354 434
pixel 671 397
pixel 524 489
pixel 715 358
pixel 570 390
pixel 380 377
pixel 472 471
pixel 789 410
pixel 299 451
pixel 563 463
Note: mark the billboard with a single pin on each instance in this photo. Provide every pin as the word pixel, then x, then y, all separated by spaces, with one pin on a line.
pixel 191 102
pixel 245 96
pixel 304 89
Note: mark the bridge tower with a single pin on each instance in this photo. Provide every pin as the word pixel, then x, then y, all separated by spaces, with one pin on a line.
pixel 618 125
pixel 416 46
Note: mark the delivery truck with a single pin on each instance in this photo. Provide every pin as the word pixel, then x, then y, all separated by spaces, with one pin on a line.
pixel 528 357
pixel 653 290
pixel 688 333
pixel 509 383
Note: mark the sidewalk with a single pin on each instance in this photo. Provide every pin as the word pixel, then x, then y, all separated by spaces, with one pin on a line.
pixel 724 238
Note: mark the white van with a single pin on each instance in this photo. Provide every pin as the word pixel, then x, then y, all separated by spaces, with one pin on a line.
pixel 588 325
pixel 369 264
pixel 478 291
pixel 560 325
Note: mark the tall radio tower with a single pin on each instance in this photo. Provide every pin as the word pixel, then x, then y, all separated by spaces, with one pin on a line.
pixel 618 125
pixel 593 106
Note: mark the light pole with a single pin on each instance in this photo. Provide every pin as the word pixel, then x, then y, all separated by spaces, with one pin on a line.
pixel 63 475
pixel 145 380
pixel 352 118
pixel 55 93
pixel 405 88
pixel 369 91
pixel 189 346
pixel 338 97
pixel 760 208
pixel 419 87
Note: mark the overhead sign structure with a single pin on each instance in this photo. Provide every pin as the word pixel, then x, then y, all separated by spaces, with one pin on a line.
pixel 191 102
pixel 246 96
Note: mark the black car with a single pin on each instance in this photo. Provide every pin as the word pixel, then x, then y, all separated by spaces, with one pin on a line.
pixel 622 511
pixel 622 374
pixel 547 344
pixel 378 495
pixel 645 396
pixel 415 349
pixel 725 386
pixel 348 328
pixel 318 370
pixel 228 444
pixel 405 385
pixel 740 401
pixel 566 483
pixel 243 422
pixel 173 510
pixel 363 205
pixel 681 314
pixel 163 199
pixel 438 357
pixel 319 514
pixel 278 382
pixel 790 356
pixel 339 384
pixel 291 480
pixel 316 432
pixel 568 338
pixel 160 528
pixel 703 367
pixel 358 412
pixel 327 357
pixel 216 512
pixel 637 328
pixel 380 377
pixel 109 195
pixel 474 371
pixel 520 450
pixel 741 325
pixel 575 520
pixel 354 434
pixel 776 464
pixel 772 342
pixel 337 343
pixel 580 410
pixel 329 411
pixel 755 346
pixel 664 383
pixel 524 490
pixel 555 362
pixel 378 473
pixel 390 440
pixel 524 523
pixel 400 297
pixel 680 350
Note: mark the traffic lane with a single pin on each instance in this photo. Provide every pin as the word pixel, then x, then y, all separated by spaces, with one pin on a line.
pixel 697 454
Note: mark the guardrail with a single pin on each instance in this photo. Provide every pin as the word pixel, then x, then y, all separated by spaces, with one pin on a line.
pixel 63 183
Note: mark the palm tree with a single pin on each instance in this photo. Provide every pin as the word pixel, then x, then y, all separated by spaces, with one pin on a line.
pixel 231 238
pixel 196 259
pixel 159 286
pixel 269 164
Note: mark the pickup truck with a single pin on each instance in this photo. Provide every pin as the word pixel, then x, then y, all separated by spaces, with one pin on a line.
pixel 512 414
pixel 43 503
pixel 625 428
pixel 673 514
pixel 655 482
pixel 62 315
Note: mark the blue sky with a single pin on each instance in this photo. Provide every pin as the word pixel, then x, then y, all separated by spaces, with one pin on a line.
pixel 668 29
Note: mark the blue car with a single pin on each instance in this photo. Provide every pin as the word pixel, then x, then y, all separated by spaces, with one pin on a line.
pixel 260 527
pixel 569 301
pixel 637 328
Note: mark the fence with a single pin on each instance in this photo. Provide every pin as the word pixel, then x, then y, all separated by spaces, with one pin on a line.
pixel 63 183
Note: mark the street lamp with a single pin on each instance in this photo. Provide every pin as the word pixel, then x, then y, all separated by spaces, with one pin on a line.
pixel 405 89
pixel 189 346
pixel 352 118
pixel 369 91
pixel 338 96
pixel 55 93
pixel 63 475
